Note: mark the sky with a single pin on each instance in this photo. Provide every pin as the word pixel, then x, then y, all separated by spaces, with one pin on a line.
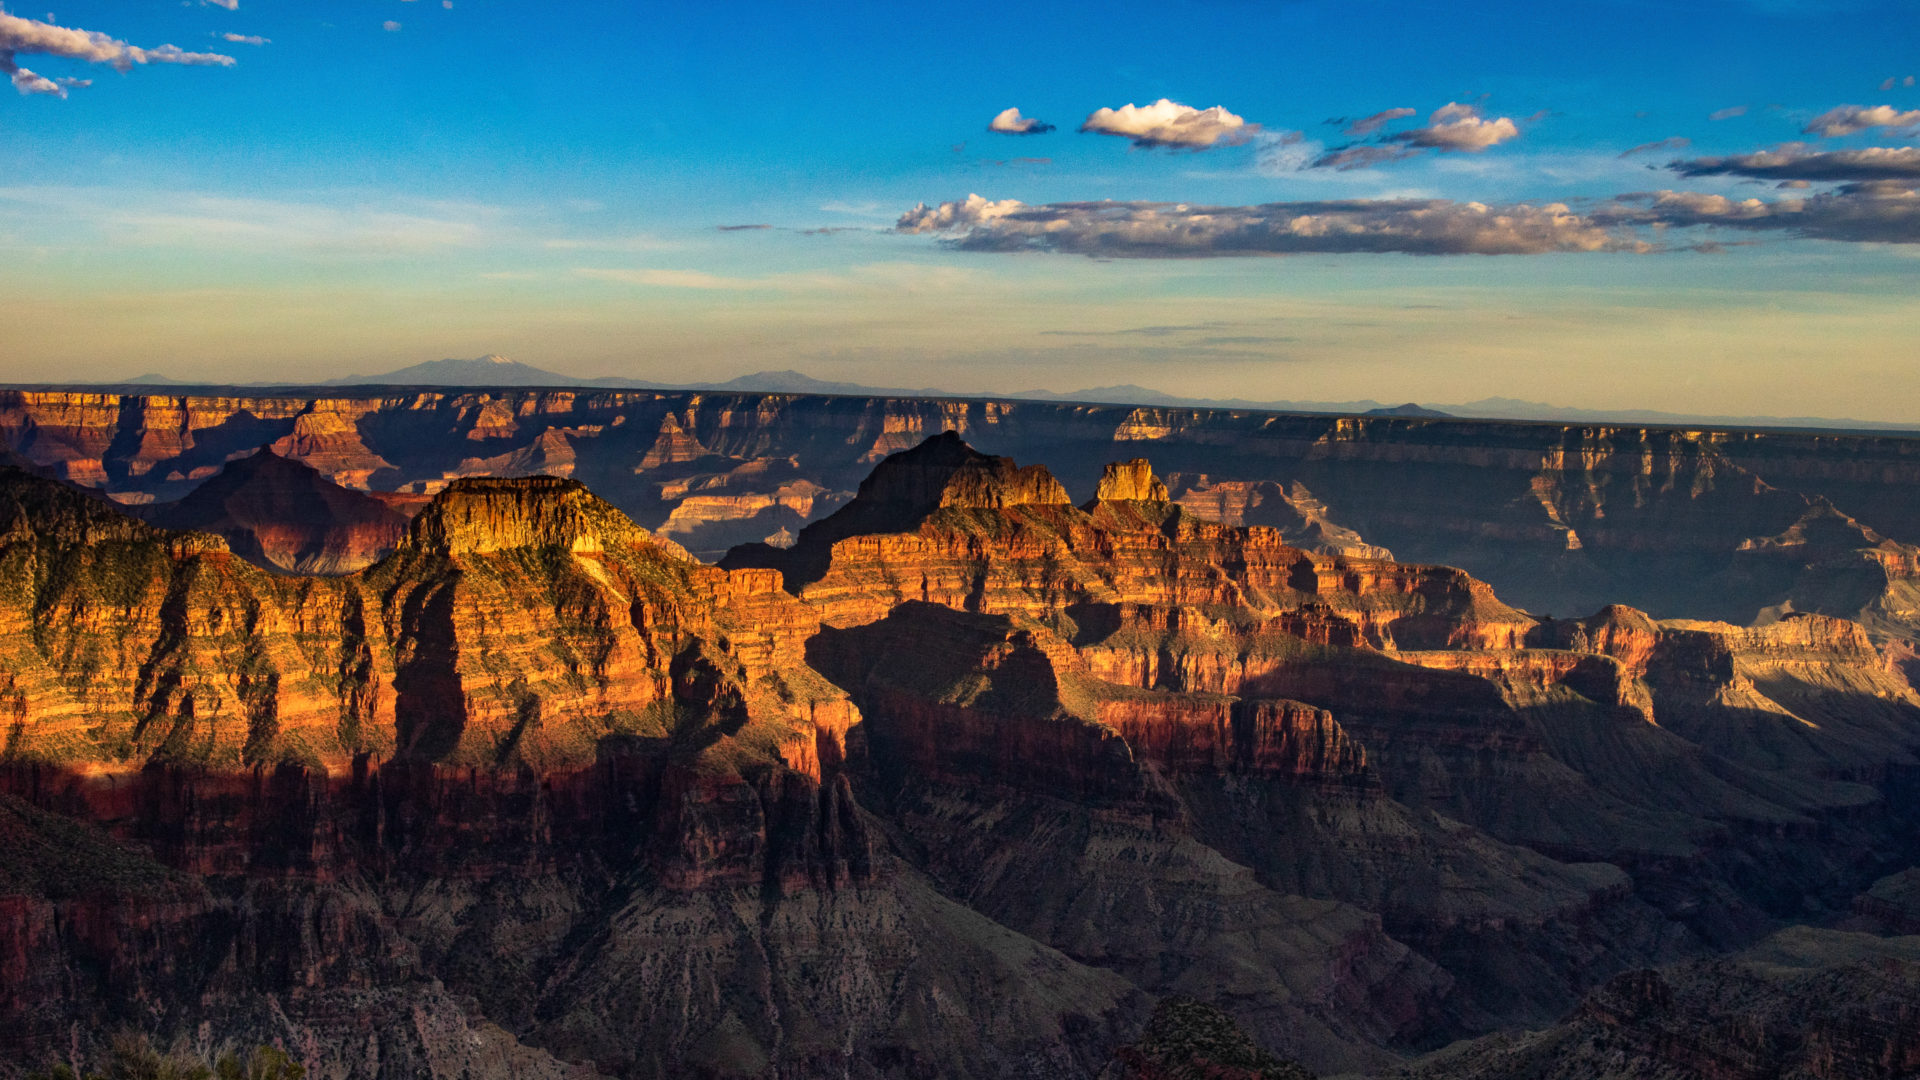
pixel 1691 205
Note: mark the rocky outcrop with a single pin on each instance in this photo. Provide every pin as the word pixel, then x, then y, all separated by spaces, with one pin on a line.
pixel 1300 517
pixel 1806 1003
pixel 456 930
pixel 522 620
pixel 1892 905
pixel 283 515
pixel 945 524
pixel 1130 481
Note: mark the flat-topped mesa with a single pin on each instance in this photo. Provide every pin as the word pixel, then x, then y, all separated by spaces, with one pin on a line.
pixel 1130 481
pixel 481 515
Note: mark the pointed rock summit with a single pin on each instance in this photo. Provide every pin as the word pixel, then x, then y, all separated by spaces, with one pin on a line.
pixel 284 514
pixel 944 471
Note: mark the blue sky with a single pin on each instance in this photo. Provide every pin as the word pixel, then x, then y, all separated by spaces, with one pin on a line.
pixel 550 182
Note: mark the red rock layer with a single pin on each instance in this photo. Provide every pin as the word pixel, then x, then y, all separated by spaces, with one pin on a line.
pixel 520 621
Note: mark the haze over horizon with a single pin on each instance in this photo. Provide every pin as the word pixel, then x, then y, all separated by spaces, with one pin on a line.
pixel 1705 213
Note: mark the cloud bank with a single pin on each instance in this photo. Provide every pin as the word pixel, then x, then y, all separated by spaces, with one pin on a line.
pixel 1879 212
pixel 1177 230
pixel 1172 125
pixel 1873 213
pixel 1797 163
pixel 1010 122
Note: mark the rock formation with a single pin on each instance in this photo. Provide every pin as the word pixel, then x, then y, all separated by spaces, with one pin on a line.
pixel 1563 519
pixel 959 783
pixel 285 515
pixel 1805 1003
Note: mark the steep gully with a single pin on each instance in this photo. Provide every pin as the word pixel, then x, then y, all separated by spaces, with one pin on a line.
pixel 952 785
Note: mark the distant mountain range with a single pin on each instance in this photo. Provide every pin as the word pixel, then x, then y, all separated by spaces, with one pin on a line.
pixel 500 371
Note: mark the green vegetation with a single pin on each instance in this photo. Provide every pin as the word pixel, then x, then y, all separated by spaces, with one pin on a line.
pixel 133 1057
pixel 1188 1040
pixel 57 858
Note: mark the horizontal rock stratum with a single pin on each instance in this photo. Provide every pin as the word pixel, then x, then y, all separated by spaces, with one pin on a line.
pixel 957 783
pixel 1560 518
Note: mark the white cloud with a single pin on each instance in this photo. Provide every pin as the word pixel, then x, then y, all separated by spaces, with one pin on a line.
pixel 390 26
pixel 28 82
pixel 230 5
pixel 969 212
pixel 1853 119
pixel 1171 124
pixel 1460 128
pixel 20 36
pixel 245 39
pixel 1010 122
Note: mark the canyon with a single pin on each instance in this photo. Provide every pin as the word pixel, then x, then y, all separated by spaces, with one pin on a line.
pixel 572 733
pixel 1729 525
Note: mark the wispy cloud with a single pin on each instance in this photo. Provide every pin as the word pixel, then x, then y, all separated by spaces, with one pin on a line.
pixel 1728 113
pixel 1367 125
pixel 1364 156
pixel 225 224
pixel 245 39
pixel 1010 122
pixel 872 277
pixel 1171 125
pixel 1672 142
pixel 28 37
pixel 633 242
pixel 668 279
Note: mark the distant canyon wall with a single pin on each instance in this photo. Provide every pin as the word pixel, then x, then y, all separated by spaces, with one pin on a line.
pixel 1559 518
